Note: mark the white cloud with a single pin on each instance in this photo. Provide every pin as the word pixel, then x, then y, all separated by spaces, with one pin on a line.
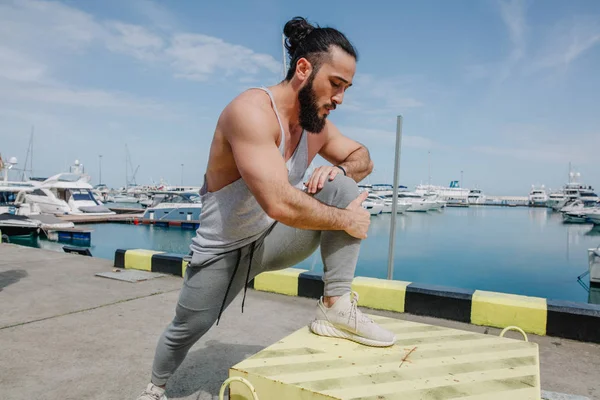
pixel 18 67
pixel 513 16
pixel 90 98
pixel 535 143
pixel 375 95
pixel 568 41
pixel 197 57
pixel 43 25
pixel 367 135
pixel 157 14
pixel 133 40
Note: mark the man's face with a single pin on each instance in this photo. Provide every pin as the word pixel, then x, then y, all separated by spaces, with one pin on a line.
pixel 324 89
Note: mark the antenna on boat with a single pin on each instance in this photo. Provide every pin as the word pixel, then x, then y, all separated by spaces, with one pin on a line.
pixel 429 158
pixel 29 151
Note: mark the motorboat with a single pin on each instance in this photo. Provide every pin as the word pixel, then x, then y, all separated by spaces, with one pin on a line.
pixel 66 193
pixel 556 200
pixel 476 196
pixel 417 202
pixel 593 215
pixel 373 204
pixel 18 225
pixel 576 217
pixel 453 192
pixel 401 206
pixel 438 202
pixel 124 198
pixel 579 205
pixel 12 198
pixel 171 206
pixel 538 197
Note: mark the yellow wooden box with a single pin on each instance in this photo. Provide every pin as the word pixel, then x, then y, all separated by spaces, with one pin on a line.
pixel 427 362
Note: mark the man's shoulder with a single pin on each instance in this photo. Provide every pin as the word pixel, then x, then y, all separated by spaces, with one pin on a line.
pixel 250 101
pixel 252 109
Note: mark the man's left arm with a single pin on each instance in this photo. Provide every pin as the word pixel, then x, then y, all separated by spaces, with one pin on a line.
pixel 341 151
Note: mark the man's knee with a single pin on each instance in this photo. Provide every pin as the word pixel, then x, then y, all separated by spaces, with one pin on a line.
pixel 339 192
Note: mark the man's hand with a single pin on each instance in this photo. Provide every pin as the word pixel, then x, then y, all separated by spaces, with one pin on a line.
pixel 361 218
pixel 318 177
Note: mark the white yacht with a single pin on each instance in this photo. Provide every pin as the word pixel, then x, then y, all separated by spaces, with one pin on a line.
pixel 476 196
pixel 401 207
pixel 9 192
pixel 538 197
pixel 417 203
pixel 453 193
pixel 593 215
pixel 437 199
pixel 575 216
pixel 373 204
pixel 579 205
pixel 556 200
pixel 180 207
pixel 66 193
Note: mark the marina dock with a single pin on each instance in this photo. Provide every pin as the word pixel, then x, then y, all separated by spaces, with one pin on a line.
pixel 104 331
pixel 90 218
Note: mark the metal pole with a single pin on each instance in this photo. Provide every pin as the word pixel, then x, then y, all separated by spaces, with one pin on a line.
pixel 395 198
pixel 100 164
pixel 181 174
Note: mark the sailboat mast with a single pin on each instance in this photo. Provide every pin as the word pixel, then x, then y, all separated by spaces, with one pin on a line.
pixel 126 167
pixel 429 159
pixel 31 162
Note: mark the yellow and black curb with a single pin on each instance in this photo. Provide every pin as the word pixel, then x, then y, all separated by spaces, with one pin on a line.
pixel 570 320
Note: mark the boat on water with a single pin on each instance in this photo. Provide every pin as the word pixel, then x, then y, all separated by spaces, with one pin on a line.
pixel 571 191
pixel 575 217
pixel 18 225
pixel 373 204
pixel 66 193
pixel 556 200
pixel 454 192
pixel 476 196
pixel 171 206
pixel 407 201
pixel 593 215
pixel 579 205
pixel 538 197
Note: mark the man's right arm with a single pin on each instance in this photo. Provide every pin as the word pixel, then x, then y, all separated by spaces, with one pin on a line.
pixel 263 169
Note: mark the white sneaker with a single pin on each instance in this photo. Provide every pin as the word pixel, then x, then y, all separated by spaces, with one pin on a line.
pixel 344 320
pixel 153 392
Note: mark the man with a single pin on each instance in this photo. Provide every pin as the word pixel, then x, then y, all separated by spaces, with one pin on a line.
pixel 259 215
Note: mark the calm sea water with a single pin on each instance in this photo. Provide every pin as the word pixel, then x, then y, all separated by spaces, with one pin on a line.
pixel 514 250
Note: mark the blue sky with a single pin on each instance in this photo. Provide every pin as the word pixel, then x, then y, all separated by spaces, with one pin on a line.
pixel 506 91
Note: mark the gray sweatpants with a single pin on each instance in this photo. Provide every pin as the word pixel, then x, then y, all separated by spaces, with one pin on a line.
pixel 208 277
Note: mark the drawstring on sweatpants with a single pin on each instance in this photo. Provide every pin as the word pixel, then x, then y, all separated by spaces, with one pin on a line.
pixel 237 264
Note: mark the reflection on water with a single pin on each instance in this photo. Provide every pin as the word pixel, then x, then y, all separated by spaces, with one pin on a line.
pixel 527 251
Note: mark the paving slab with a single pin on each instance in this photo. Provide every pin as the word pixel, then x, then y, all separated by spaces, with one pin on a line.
pixel 37 284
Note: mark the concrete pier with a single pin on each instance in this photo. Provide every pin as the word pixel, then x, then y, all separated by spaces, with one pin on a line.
pixel 68 334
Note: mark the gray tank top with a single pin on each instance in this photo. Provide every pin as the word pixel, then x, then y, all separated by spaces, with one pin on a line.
pixel 231 217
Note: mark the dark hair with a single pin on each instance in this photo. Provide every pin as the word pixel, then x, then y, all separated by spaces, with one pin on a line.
pixel 313 43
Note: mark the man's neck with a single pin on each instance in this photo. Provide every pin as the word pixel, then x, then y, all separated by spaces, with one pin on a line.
pixel 286 99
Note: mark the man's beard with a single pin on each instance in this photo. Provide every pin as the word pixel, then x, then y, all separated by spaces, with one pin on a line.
pixel 309 110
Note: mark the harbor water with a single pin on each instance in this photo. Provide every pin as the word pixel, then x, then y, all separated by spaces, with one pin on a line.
pixel 526 251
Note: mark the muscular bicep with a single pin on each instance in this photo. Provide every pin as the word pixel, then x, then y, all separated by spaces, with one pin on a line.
pixel 337 147
pixel 257 157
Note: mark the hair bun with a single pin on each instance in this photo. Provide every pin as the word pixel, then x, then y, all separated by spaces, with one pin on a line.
pixel 296 30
